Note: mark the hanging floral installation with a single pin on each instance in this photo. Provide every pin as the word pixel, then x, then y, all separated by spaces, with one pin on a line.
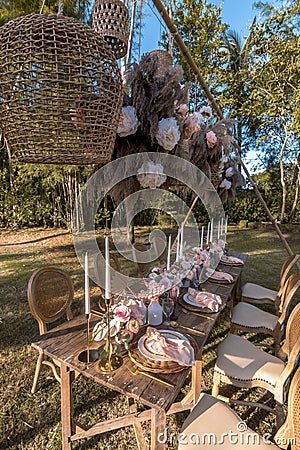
pixel 157 117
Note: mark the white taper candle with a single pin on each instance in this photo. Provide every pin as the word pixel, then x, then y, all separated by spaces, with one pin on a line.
pixel 169 254
pixel 211 229
pixel 202 237
pixel 107 270
pixel 208 233
pixel 178 246
pixel 181 241
pixel 87 308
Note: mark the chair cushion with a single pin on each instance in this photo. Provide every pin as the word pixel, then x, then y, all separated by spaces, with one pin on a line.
pixel 249 316
pixel 251 290
pixel 212 423
pixel 240 359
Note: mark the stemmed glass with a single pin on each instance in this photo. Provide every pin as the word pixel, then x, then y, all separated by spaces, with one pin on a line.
pixel 167 307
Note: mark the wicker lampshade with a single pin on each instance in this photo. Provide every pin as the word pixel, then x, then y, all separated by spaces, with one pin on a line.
pixel 164 60
pixel 110 20
pixel 60 91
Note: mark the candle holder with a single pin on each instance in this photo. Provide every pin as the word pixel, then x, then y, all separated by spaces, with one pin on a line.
pixel 89 355
pixel 108 358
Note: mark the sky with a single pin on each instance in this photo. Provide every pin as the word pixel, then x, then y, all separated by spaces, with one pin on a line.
pixel 238 14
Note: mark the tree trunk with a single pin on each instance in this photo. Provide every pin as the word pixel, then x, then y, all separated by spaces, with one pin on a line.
pixel 282 180
pixel 296 197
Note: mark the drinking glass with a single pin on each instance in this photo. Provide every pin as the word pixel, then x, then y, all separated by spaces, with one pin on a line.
pixel 167 307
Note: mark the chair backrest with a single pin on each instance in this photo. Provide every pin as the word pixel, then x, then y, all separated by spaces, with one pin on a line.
pixel 290 288
pixel 143 268
pixel 50 294
pixel 285 270
pixel 291 344
pixel 290 430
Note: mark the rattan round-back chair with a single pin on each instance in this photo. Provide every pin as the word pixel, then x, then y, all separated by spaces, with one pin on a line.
pixel 241 364
pixel 214 421
pixel 50 295
pixel 259 295
pixel 251 319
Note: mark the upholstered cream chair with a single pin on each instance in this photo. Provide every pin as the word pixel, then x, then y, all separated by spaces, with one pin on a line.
pixel 50 295
pixel 249 318
pixel 242 364
pixel 258 295
pixel 212 423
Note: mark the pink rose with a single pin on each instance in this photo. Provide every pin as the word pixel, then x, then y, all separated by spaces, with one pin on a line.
pixel 122 313
pixel 211 139
pixel 190 126
pixel 133 326
pixel 182 109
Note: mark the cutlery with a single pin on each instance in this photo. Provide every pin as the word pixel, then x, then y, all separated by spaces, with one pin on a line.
pixel 192 330
pixel 149 375
pixel 197 314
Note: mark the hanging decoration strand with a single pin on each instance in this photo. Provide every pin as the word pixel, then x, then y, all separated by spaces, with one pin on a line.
pixel 60 7
pixel 185 52
pixel 42 7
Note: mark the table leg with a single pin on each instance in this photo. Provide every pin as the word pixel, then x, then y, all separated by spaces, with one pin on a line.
pixel 159 434
pixel 66 376
pixel 197 376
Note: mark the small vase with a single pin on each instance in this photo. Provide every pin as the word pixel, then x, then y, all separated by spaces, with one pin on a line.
pixel 124 339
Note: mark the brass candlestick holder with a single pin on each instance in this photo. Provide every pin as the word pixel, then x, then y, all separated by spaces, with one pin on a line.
pixel 89 355
pixel 108 358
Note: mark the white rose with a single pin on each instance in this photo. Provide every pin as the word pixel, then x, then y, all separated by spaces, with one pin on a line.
pixel 128 123
pixel 168 133
pixel 225 184
pixel 229 172
pixel 206 111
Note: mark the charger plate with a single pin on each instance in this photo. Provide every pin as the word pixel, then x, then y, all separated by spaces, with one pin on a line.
pixel 215 279
pixel 197 308
pixel 146 351
pixel 227 262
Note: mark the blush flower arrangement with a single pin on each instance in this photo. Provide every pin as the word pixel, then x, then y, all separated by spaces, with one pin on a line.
pixel 126 317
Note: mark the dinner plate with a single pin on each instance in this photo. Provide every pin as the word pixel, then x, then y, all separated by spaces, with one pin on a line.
pixel 217 279
pixel 227 262
pixel 142 344
pixel 190 300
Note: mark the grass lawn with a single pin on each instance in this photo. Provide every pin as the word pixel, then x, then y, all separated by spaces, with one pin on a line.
pixel 33 421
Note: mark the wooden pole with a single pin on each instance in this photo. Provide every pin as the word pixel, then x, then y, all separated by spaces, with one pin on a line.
pixel 185 52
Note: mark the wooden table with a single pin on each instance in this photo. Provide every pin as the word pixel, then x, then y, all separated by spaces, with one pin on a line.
pixel 67 341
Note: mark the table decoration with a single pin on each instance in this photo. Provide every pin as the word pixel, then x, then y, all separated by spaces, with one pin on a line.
pixel 87 356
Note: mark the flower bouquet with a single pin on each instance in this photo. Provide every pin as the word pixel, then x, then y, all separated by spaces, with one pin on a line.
pixel 124 318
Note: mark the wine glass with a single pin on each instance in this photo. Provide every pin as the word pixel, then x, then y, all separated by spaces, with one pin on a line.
pixel 167 307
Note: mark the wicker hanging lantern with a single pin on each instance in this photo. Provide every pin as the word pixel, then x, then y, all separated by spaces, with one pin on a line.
pixel 60 91
pixel 110 20
pixel 164 60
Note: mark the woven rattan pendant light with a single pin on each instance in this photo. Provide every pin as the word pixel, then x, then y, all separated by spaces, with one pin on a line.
pixel 60 91
pixel 110 20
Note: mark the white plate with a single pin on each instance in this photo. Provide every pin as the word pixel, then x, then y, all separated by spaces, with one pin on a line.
pixel 192 301
pixel 230 263
pixel 166 333
pixel 219 280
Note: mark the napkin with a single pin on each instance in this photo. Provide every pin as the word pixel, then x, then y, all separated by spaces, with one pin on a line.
pixel 232 259
pixel 174 349
pixel 221 275
pixel 207 299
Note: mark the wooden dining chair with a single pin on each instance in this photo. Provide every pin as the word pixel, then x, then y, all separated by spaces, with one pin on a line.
pixel 242 364
pixel 50 295
pixel 214 423
pixel 142 268
pixel 249 318
pixel 260 295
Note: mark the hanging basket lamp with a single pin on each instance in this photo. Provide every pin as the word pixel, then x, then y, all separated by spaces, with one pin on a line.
pixel 60 91
pixel 110 20
pixel 164 60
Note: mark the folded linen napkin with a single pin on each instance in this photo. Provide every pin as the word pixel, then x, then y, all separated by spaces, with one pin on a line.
pixel 220 275
pixel 206 299
pixel 173 349
pixel 232 259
